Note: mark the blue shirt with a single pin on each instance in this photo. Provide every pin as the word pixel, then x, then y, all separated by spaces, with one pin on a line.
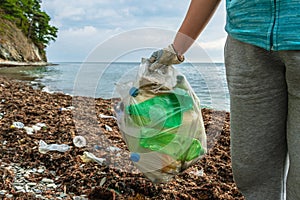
pixel 270 24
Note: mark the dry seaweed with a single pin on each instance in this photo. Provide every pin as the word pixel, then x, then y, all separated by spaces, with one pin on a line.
pixel 24 171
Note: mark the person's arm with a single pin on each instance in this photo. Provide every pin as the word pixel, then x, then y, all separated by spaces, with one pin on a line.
pixel 198 15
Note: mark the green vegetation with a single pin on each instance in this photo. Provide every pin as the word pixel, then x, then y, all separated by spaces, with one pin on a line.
pixel 29 18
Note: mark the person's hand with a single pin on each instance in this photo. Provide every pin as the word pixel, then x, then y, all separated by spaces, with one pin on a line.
pixel 166 56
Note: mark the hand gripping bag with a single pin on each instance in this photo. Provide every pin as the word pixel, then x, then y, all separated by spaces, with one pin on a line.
pixel 160 119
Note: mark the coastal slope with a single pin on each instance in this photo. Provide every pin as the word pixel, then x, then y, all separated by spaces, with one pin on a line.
pixel 15 47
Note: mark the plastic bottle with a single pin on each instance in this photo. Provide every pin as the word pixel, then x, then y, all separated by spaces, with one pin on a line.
pixel 165 108
pixel 139 94
pixel 44 147
pixel 156 166
pixel 160 118
pixel 179 146
pixel 17 125
pixel 181 82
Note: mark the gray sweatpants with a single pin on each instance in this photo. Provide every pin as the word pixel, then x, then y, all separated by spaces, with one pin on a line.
pixel 264 91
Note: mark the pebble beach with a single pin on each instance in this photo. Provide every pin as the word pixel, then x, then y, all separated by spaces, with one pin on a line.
pixel 30 116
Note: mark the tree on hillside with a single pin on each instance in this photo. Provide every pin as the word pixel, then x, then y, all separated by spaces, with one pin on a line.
pixel 34 23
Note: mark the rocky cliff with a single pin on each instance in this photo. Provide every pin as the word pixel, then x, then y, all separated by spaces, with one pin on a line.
pixel 15 46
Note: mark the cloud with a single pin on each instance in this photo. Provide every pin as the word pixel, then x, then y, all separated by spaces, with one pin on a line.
pixel 83 24
pixel 216 44
pixel 113 13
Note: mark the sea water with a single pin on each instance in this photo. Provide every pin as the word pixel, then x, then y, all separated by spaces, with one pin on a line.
pixel 100 79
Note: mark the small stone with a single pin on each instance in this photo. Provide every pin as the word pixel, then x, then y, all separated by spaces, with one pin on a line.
pixel 27 188
pixel 3 192
pixel 37 191
pixel 47 180
pixel 52 172
pixel 52 185
pixel 31 184
pixel 19 188
pixel 18 184
pixel 62 195
pixel 9 196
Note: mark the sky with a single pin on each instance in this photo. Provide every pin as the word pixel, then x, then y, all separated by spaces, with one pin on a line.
pixel 125 30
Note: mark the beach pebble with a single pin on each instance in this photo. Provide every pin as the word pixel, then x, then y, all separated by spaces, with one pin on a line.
pixel 31 184
pixel 108 128
pixel 3 192
pixel 52 185
pixel 62 195
pixel 9 196
pixel 19 188
pixel 47 180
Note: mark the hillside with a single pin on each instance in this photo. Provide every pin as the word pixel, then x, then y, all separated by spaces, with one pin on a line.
pixel 15 46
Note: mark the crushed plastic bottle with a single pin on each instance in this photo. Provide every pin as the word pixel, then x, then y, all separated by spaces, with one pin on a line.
pixel 89 157
pixel 35 128
pixel 17 125
pixel 29 130
pixel 178 146
pixel 165 108
pixel 44 147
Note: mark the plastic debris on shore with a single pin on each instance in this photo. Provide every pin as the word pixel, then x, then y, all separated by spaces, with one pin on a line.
pixel 17 125
pixel 67 108
pixel 79 141
pixel 35 128
pixel 29 130
pixel 89 157
pixel 106 116
pixel 113 149
pixel 44 147
pixel 161 121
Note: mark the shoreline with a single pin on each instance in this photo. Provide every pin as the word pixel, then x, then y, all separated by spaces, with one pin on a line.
pixel 19 64
pixel 29 174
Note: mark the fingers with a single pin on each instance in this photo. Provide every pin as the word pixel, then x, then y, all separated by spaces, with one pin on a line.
pixel 166 56
pixel 156 55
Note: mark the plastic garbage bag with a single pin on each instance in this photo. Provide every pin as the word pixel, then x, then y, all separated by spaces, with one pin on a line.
pixel 160 119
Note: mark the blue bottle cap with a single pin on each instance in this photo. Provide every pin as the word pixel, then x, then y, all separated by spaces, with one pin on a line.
pixel 135 157
pixel 97 147
pixel 134 91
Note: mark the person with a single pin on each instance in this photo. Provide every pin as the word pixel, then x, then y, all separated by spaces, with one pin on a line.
pixel 262 60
